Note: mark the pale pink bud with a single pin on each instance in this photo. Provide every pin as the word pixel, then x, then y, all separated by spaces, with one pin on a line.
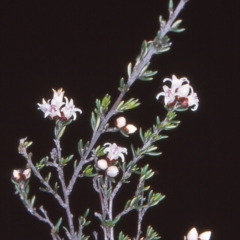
pixel 112 171
pixel 102 164
pixel 129 129
pixel 120 122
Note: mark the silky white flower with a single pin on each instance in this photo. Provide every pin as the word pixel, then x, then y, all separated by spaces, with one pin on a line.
pixel 193 235
pixel 102 164
pixel 52 107
pixel 69 109
pixel 49 109
pixel 112 171
pixel 55 108
pixel 114 151
pixel 180 95
pixel 120 122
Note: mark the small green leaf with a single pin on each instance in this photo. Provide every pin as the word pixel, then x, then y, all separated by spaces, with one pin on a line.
pixel 80 147
pixel 56 227
pixel 44 189
pixel 33 200
pixel 149 174
pixel 123 133
pixel 129 69
pixel 67 122
pixel 56 187
pixel 93 121
pixel 150 73
pixel 27 144
pixel 60 133
pixel 75 164
pixel 127 204
pixel 177 30
pixel 122 84
pixel 48 177
pixel 170 127
pixel 97 123
pixel 162 50
pixel 133 151
pixel 158 120
pixel 151 234
pixel 144 69
pixel 67 233
pixel 121 236
pixel 27 189
pixel 143 78
pixel 176 23
pixel 141 135
pixel 170 5
pixel 144 49
pixel 86 213
pixel 153 153
pixel 160 19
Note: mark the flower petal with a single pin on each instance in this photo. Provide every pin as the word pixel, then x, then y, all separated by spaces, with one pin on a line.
pixel 192 234
pixel 205 235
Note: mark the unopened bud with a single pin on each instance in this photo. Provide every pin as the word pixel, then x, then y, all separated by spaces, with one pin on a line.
pixel 21 175
pixel 27 173
pixel 112 171
pixel 102 164
pixel 129 129
pixel 120 122
pixel 16 174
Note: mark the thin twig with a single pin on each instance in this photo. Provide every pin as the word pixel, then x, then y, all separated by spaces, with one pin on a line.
pixel 64 190
pixel 42 180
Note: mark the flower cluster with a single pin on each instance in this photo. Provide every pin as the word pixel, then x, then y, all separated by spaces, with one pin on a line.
pixel 180 95
pixel 121 124
pixel 56 108
pixel 193 235
pixel 114 152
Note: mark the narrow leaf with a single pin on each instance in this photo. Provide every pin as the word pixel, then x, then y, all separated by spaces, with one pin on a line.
pixel 129 69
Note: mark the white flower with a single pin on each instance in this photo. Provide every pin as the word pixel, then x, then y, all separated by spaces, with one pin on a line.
pixel 55 108
pixel 52 107
pixel 180 95
pixel 21 174
pixel 193 235
pixel 112 171
pixel 114 151
pixel 129 129
pixel 120 122
pixel 69 109
pixel 102 164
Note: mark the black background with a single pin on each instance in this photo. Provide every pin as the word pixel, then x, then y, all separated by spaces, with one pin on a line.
pixel 84 47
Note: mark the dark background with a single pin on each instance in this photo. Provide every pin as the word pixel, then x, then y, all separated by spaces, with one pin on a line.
pixel 84 47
